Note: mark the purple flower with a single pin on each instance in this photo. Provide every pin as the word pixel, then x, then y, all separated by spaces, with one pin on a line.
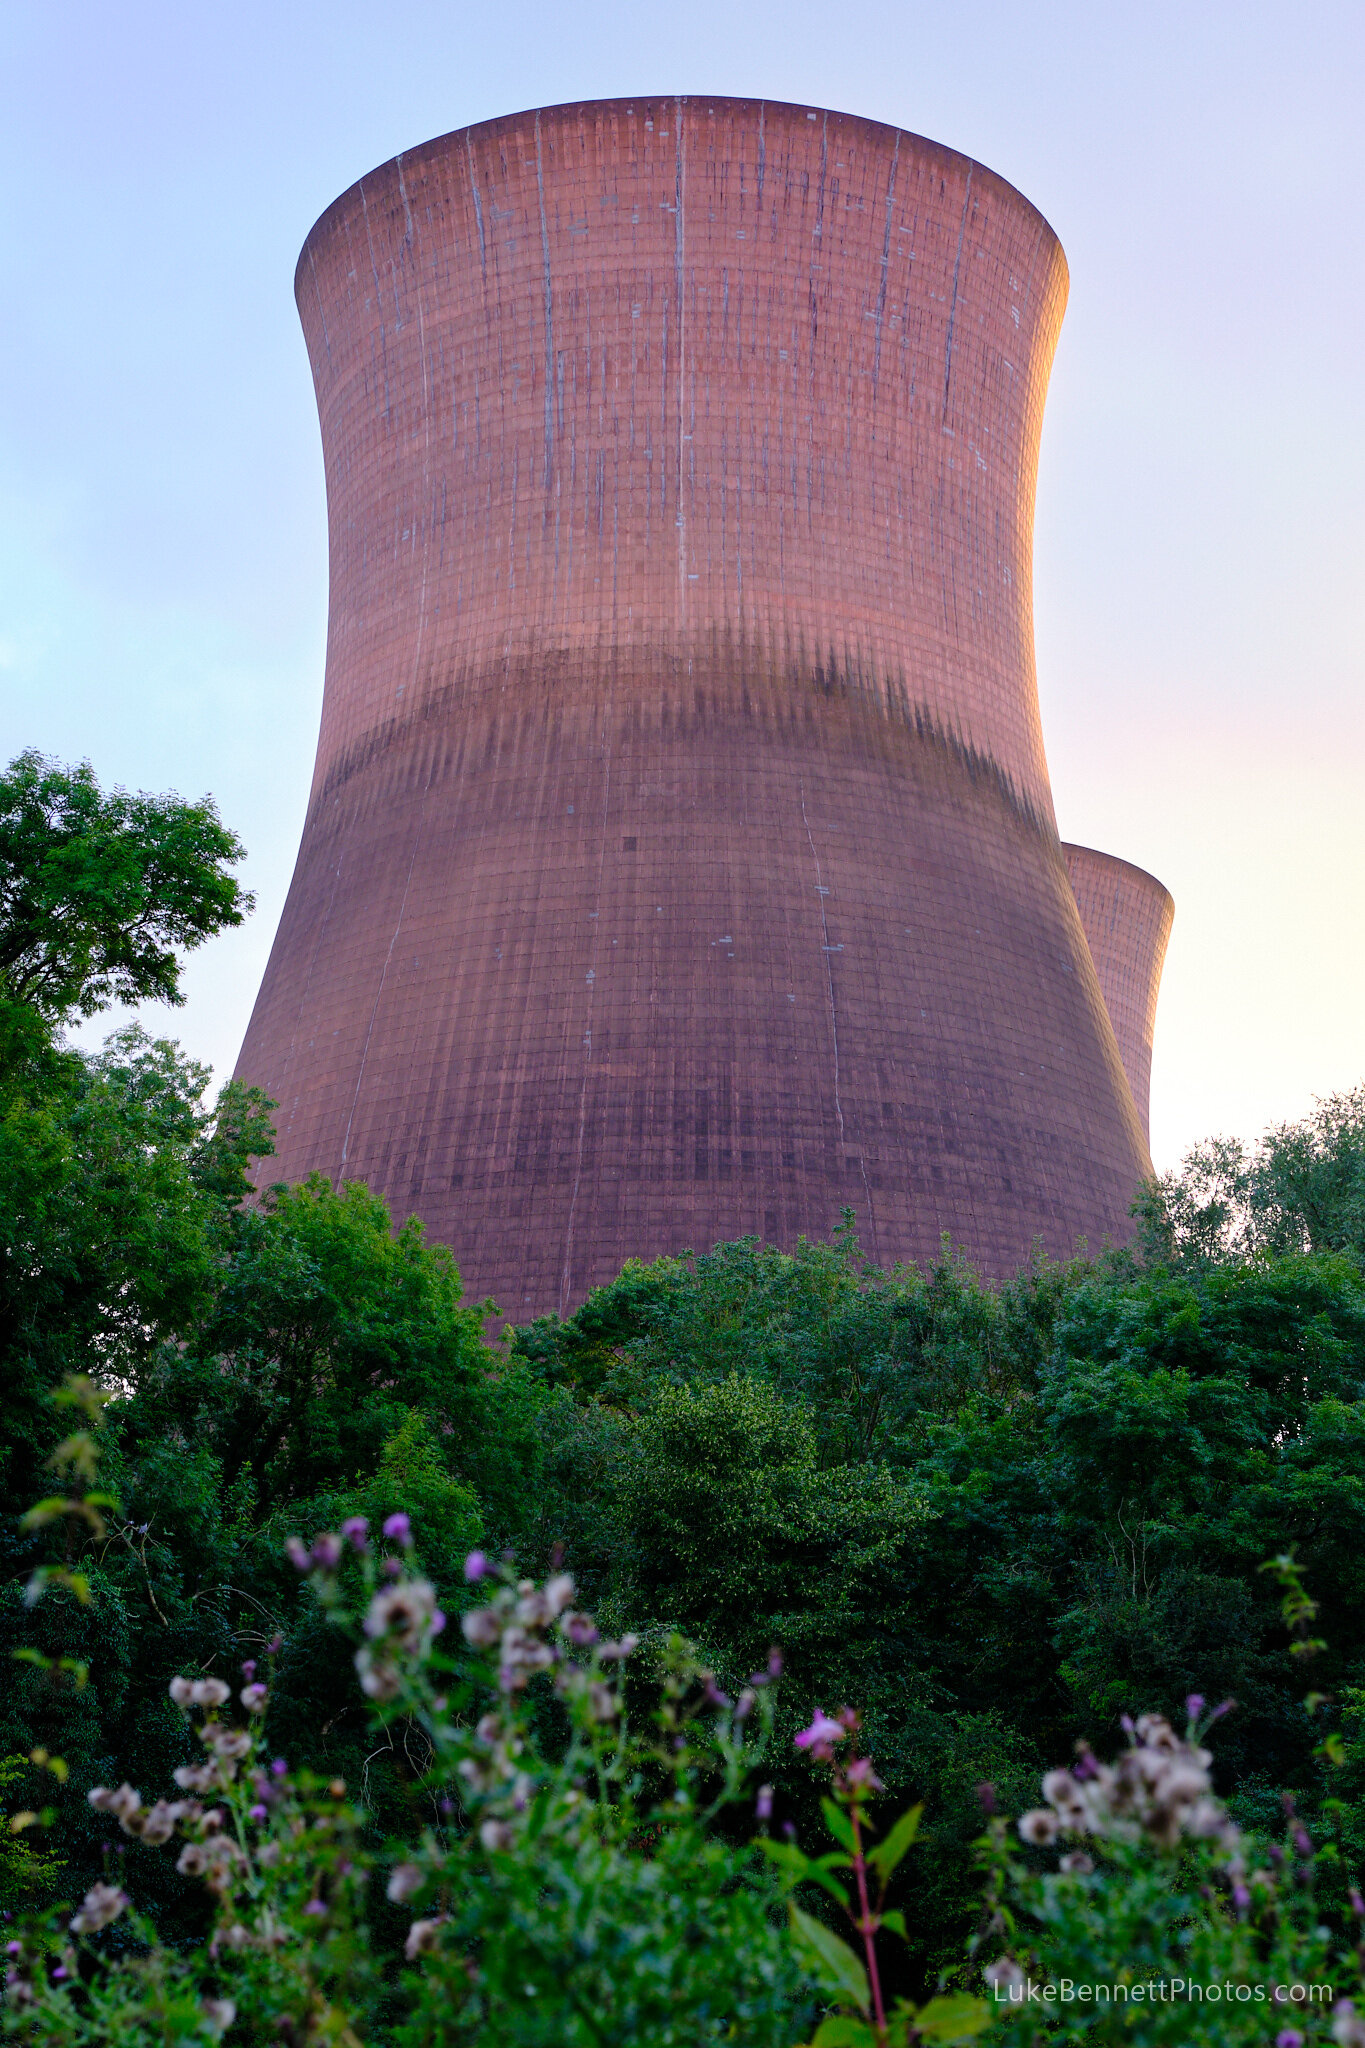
pixel 257 1812
pixel 763 1805
pixel 274 1646
pixel 356 1530
pixel 249 1669
pixel 316 1908
pixel 1357 1903
pixel 475 1566
pixel 1194 1705
pixel 297 1553
pixel 279 1768
pixel 438 1621
pixel 1224 1707
pixel 393 1567
pixel 398 1528
pixel 60 1972
pixel 714 1697
pixel 820 1735
pixel 327 1551
pixel 1289 2037
pixel 1241 1897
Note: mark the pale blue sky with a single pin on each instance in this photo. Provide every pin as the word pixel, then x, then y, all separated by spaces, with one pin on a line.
pixel 1201 523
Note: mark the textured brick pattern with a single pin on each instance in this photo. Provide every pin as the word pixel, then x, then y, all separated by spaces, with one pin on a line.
pixel 1127 916
pixel 681 859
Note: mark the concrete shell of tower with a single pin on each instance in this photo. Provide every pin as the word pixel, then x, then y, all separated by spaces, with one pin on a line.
pixel 1127 915
pixel 680 859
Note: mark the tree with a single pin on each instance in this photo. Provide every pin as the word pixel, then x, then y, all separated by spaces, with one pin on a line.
pixel 1299 1188
pixel 99 894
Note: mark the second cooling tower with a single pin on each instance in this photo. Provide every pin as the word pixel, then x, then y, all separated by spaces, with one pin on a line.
pixel 681 859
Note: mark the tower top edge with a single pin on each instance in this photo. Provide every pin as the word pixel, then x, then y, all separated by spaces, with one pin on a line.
pixel 785 112
pixel 1114 860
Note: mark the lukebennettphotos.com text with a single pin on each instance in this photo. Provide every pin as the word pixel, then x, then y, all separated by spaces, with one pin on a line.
pixel 1157 1991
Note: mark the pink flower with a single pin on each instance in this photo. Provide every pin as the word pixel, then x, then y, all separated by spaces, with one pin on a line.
pixel 475 1566
pixel 821 1735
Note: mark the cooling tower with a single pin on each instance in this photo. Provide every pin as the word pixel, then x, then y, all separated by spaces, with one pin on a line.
pixel 1127 916
pixel 680 859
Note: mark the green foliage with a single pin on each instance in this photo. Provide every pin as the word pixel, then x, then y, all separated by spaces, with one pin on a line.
pixel 584 1896
pixel 1160 1921
pixel 99 893
pixel 1300 1188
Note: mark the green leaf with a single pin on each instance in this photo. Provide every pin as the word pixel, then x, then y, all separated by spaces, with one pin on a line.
pixel 788 1858
pixel 46 1511
pixel 888 1854
pixel 895 1920
pixel 839 1825
pixel 958 2017
pixel 842 2031
pixel 830 1961
pixel 800 1869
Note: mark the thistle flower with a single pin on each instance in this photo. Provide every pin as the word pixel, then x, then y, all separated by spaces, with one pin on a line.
pixel 613 1653
pixel 379 1680
pixel 356 1530
pixel 559 1591
pixel 1040 1826
pixel 253 1698
pixel 326 1551
pixel 422 1938
pixel 398 1528
pixel 1005 1977
pixel 821 1736
pixel 496 1834
pixel 102 1903
pixel 482 1627
pixel 1347 2026
pixel 403 1611
pixel 122 1803
pixel 475 1566
pixel 404 1880
pixel 196 1777
pixel 763 1805
pixel 158 1824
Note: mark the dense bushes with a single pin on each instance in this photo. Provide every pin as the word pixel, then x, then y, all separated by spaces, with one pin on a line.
pixel 997 1519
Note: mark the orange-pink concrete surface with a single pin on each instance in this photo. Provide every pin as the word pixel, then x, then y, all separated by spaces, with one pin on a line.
pixel 1127 915
pixel 681 860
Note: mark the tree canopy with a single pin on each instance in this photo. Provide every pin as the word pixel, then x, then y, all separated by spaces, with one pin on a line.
pixel 101 892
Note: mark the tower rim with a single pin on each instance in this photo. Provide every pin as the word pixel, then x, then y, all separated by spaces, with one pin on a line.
pixel 628 102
